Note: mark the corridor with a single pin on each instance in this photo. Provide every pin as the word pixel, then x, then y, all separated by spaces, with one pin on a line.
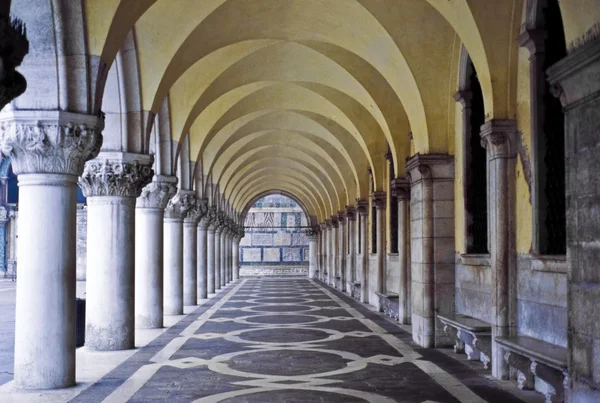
pixel 290 340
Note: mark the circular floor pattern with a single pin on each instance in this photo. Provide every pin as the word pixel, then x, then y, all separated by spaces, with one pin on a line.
pixel 287 362
pixel 280 300
pixel 291 395
pixel 283 335
pixel 281 308
pixel 281 319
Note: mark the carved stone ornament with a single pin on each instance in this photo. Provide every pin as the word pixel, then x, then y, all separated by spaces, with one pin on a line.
pixel 311 234
pixel 157 193
pixel 106 177
pixel 50 142
pixel 362 207
pixel 211 216
pixel 379 200
pixel 198 211
pixel 180 204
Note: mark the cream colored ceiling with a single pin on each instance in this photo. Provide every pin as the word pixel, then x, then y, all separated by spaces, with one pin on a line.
pixel 305 96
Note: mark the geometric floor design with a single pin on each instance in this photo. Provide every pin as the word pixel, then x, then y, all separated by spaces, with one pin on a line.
pixel 289 340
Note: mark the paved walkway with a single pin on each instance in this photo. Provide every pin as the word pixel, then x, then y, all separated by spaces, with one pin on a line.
pixel 289 340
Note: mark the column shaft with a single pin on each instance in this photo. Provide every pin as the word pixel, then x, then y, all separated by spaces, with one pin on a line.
pixel 110 272
pixel 210 260
pixel 343 252
pixel 202 236
pixel 190 259
pixel 404 296
pixel 236 258
pixel 45 306
pixel 364 228
pixel 218 259
pixel 149 268
pixel 173 264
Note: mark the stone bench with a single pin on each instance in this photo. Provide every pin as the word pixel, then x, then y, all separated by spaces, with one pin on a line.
pixel 532 357
pixel 389 304
pixel 337 281
pixel 354 289
pixel 472 336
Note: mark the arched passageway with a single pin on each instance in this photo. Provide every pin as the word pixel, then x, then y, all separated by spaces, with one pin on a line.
pixel 442 154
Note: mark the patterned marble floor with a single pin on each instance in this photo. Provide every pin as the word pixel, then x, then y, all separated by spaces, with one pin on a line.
pixel 289 340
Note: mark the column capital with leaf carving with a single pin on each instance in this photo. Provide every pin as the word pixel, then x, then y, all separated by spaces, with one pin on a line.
pixel 401 188
pixel 351 213
pixel 116 174
pixel 157 193
pixel 379 199
pixel 52 142
pixel 499 137
pixel 180 204
pixel 362 207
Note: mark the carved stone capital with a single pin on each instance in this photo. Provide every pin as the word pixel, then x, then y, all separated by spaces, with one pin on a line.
pixel 211 217
pixel 362 206
pixel 430 166
pixel 500 137
pixel 180 204
pixel 342 217
pixel 311 234
pixel 401 188
pixel 195 213
pixel 464 97
pixel 116 174
pixel 379 200
pixel 49 141
pixel 334 221
pixel 351 213
pixel 323 227
pixel 533 40
pixel 158 192
pixel 328 224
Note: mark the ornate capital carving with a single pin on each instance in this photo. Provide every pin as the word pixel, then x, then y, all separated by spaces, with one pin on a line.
pixel 500 137
pixel 379 200
pixel 311 234
pixel 328 223
pixel 342 217
pixel 401 188
pixel 351 213
pixel 362 206
pixel 180 204
pixel 533 40
pixel 194 214
pixel 334 221
pixel 211 218
pixel 116 174
pixel 49 142
pixel 158 192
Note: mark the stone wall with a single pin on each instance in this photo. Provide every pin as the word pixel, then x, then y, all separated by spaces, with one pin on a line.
pixel 275 234
pixel 474 286
pixel 392 282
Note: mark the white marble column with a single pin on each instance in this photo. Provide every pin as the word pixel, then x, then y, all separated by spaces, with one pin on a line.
pixel 351 264
pixel 380 200
pixel 342 249
pixel 218 232
pixel 210 253
pixel 227 255
pixel 362 206
pixel 202 235
pixel 312 252
pixel 236 256
pixel 223 255
pixel 323 250
pixel 149 212
pixel 335 258
pixel 111 184
pixel 47 151
pixel 328 249
pixel 173 251
pixel 401 189
pixel 190 255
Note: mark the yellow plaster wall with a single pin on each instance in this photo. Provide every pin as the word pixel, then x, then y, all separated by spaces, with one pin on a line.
pixel 579 18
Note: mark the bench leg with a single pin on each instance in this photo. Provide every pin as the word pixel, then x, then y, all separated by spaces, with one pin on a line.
pixel 485 347
pixel 459 345
pixel 553 377
pixel 522 364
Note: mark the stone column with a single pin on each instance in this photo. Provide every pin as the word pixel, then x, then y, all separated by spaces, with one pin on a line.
pixel 432 245
pixel 190 255
pixel 176 210
pixel 111 184
pixel 228 270
pixel 218 231
pixel 223 255
pixel 499 138
pixel 575 82
pixel 328 251
pixel 351 272
pixel 379 199
pixel 323 250
pixel 48 150
pixel 362 206
pixel 210 253
pixel 202 252
pixel 343 240
pixel 401 189
pixel 335 248
pixel 312 252
pixel 149 212
pixel 236 256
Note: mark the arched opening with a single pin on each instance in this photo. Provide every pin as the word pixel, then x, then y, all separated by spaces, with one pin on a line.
pixel 275 242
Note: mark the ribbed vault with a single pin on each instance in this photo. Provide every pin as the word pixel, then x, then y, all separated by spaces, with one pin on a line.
pixel 309 95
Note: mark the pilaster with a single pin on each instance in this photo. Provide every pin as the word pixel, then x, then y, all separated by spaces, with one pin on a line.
pixel 379 200
pixel 432 245
pixel 362 207
pixel 575 81
pixel 401 190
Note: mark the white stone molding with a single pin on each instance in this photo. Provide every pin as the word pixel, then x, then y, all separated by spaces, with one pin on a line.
pixel 116 174
pixel 198 210
pixel 157 193
pixel 180 204
pixel 49 141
